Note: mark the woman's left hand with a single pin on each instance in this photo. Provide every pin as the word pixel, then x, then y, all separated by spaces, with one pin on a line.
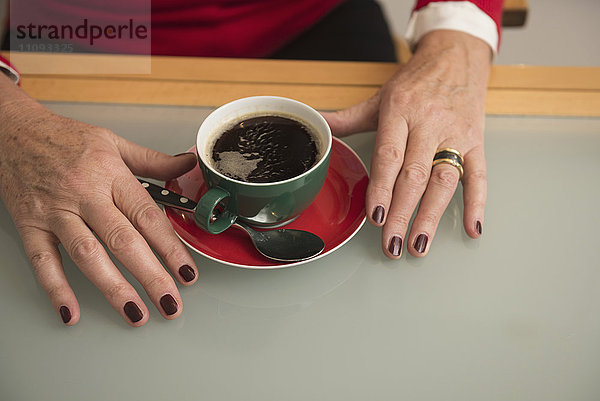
pixel 434 101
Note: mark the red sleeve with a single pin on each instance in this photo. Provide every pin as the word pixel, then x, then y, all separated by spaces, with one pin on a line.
pixel 493 8
pixel 5 61
pixel 9 69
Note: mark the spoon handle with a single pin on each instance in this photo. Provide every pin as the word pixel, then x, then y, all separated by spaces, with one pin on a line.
pixel 168 198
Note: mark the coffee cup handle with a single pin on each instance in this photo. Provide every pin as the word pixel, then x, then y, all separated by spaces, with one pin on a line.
pixel 205 212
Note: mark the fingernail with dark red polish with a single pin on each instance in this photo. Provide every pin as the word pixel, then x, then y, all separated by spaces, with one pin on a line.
pixel 378 214
pixel 421 243
pixel 168 304
pixel 395 246
pixel 133 312
pixel 478 227
pixel 65 314
pixel 187 273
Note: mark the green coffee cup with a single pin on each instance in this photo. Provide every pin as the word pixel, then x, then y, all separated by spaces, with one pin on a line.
pixel 264 204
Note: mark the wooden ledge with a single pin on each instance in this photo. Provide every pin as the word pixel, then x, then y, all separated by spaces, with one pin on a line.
pixel 517 90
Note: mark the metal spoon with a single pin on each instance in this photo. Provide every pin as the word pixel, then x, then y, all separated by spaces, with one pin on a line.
pixel 284 245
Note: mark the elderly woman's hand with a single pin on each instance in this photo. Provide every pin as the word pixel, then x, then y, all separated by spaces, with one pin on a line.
pixel 64 181
pixel 435 101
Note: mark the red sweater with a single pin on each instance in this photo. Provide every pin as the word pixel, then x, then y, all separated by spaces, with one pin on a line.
pixel 210 28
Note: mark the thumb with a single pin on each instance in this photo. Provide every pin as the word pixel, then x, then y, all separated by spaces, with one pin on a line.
pixel 361 117
pixel 149 163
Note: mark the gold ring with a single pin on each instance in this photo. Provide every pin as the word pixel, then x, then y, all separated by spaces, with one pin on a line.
pixel 449 156
pixel 450 150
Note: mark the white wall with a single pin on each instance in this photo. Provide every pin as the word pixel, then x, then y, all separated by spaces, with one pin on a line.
pixel 557 32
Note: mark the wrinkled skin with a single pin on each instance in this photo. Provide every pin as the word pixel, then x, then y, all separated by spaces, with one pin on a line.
pixel 435 101
pixel 62 181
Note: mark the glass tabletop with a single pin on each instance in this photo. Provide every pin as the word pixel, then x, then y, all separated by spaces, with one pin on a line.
pixel 513 315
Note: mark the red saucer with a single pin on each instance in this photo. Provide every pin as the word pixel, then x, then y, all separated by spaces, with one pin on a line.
pixel 336 215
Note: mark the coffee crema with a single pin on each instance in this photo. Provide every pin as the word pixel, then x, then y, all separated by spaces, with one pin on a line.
pixel 265 148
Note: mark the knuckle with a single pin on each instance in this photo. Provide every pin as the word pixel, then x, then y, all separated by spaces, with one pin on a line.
pixel 40 260
pixel 148 156
pixel 445 177
pixel 428 220
pixel 29 202
pixel 175 253
pixel 378 190
pixel 416 174
pixel 117 291
pixel 475 176
pixel 389 152
pixel 437 110
pixel 121 237
pixel 83 248
pixel 398 222
pixel 469 126
pixel 74 183
pixel 103 160
pixel 158 281
pixel 147 217
pixel 397 97
pixel 104 132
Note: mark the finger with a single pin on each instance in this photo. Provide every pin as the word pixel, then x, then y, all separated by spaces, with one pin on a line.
pixel 137 205
pixel 474 191
pixel 91 258
pixel 410 186
pixel 388 157
pixel 361 117
pixel 130 248
pixel 41 248
pixel 146 162
pixel 440 189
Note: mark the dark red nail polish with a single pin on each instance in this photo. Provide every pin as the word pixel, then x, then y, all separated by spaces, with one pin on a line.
pixel 133 312
pixel 378 214
pixel 65 314
pixel 187 273
pixel 395 246
pixel 478 227
pixel 169 304
pixel 421 243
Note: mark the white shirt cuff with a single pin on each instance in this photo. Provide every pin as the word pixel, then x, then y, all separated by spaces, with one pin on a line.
pixel 9 71
pixel 461 16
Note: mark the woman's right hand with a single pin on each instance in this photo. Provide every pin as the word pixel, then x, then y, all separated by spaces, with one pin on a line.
pixel 64 181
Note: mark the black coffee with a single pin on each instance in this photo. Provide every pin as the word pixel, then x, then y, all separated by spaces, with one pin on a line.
pixel 265 149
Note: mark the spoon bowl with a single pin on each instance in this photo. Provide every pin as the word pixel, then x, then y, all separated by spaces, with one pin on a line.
pixel 285 245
